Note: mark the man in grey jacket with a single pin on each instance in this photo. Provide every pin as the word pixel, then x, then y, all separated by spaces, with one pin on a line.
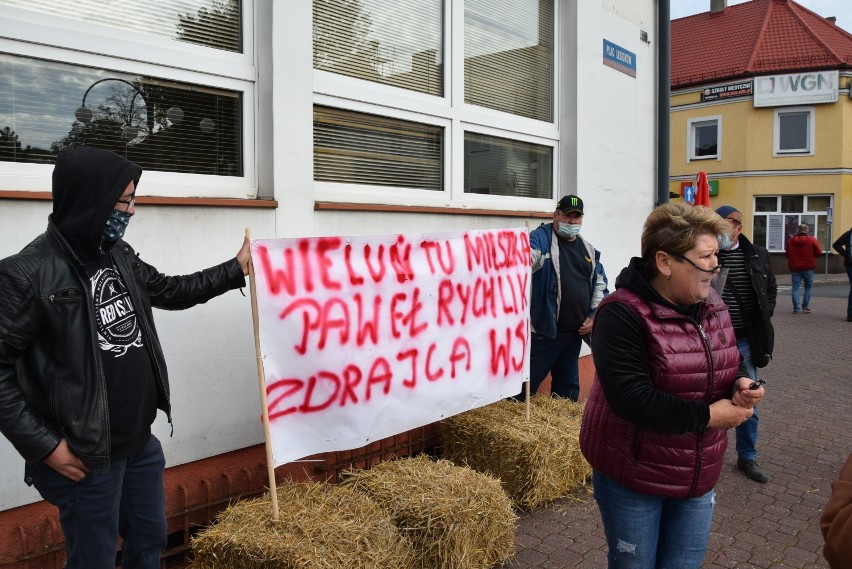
pixel 82 373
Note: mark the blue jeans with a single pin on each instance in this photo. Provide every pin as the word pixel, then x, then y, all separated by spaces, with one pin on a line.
pixel 128 500
pixel 798 277
pixel 558 357
pixel 849 302
pixel 652 532
pixel 747 431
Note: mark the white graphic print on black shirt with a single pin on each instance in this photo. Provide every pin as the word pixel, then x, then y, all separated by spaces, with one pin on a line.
pixel 130 381
pixel 118 327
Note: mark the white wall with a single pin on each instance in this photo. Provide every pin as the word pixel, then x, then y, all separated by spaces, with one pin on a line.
pixel 607 155
pixel 616 128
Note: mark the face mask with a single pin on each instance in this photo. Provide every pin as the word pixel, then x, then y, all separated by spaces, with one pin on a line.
pixel 568 230
pixel 724 241
pixel 115 225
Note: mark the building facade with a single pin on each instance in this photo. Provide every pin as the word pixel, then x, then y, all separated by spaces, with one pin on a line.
pixel 323 117
pixel 762 105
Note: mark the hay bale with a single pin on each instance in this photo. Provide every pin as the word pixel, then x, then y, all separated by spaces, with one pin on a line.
pixel 455 517
pixel 319 526
pixel 537 460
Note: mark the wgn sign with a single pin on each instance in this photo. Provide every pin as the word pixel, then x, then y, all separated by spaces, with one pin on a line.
pixel 796 89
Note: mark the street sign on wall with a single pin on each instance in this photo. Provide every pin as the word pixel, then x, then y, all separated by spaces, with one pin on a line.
pixel 714 187
pixel 619 58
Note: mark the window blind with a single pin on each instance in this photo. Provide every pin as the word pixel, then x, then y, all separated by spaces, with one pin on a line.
pixel 159 124
pixel 500 166
pixel 211 23
pixel 508 56
pixel 358 148
pixel 394 42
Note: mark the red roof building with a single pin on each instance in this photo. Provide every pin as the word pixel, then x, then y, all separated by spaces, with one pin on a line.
pixel 755 38
pixel 761 103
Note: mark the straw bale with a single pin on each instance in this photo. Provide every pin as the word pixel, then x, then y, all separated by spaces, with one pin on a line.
pixel 537 460
pixel 455 517
pixel 319 526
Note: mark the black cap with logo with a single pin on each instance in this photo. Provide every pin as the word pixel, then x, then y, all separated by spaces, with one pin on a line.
pixel 570 203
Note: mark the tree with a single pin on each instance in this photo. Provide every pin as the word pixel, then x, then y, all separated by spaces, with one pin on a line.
pixel 218 27
pixel 10 146
pixel 341 44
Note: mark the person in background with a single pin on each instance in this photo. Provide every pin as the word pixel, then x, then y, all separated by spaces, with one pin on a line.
pixel 82 372
pixel 836 521
pixel 747 285
pixel 802 250
pixel 568 283
pixel 843 246
pixel 669 382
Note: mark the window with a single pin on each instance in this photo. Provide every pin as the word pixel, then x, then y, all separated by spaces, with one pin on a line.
pixel 504 167
pixel 794 131
pixel 71 74
pixel 508 56
pixel 704 140
pixel 161 125
pixel 402 117
pixel 357 148
pixel 777 218
pixel 395 42
pixel 209 23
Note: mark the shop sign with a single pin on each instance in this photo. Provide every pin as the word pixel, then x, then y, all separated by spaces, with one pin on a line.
pixel 796 89
pixel 728 91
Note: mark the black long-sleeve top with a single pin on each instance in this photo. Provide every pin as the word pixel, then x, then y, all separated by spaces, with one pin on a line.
pixel 620 353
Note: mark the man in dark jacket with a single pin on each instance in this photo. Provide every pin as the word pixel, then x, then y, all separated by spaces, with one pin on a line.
pixel 568 283
pixel 843 246
pixel 82 373
pixel 748 287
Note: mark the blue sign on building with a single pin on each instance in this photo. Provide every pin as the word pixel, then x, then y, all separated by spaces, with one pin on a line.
pixel 619 58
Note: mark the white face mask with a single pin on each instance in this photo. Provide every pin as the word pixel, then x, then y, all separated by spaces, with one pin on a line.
pixel 569 230
pixel 724 241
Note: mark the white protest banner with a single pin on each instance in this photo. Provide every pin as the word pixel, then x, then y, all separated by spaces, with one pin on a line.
pixel 362 338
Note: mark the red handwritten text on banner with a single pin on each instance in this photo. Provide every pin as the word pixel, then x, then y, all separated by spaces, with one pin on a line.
pixel 366 337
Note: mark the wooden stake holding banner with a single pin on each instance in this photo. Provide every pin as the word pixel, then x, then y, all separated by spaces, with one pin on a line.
pixel 527 383
pixel 261 377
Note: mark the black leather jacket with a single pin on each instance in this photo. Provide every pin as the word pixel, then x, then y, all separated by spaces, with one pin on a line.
pixel 52 383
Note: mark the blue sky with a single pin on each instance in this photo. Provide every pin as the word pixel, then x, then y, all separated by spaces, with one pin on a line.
pixel 840 8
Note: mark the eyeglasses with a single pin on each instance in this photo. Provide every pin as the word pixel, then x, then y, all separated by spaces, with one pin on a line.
pixel 711 270
pixel 129 203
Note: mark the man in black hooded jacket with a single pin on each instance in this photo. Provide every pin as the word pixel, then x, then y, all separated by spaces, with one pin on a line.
pixel 82 373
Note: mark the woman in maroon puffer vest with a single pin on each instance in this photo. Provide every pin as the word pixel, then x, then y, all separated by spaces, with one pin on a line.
pixel 668 385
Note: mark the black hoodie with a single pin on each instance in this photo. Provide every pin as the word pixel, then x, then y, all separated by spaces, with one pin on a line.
pixel 87 183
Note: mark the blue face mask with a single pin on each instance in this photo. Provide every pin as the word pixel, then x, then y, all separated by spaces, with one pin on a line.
pixel 115 225
pixel 569 230
pixel 724 241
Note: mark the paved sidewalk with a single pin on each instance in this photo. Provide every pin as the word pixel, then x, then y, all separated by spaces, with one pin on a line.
pixel 805 436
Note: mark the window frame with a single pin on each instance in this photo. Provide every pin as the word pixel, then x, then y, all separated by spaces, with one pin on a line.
pixel 448 110
pixel 820 216
pixel 76 43
pixel 777 152
pixel 691 125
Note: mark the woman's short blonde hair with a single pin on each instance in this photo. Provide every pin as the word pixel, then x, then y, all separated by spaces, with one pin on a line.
pixel 675 228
